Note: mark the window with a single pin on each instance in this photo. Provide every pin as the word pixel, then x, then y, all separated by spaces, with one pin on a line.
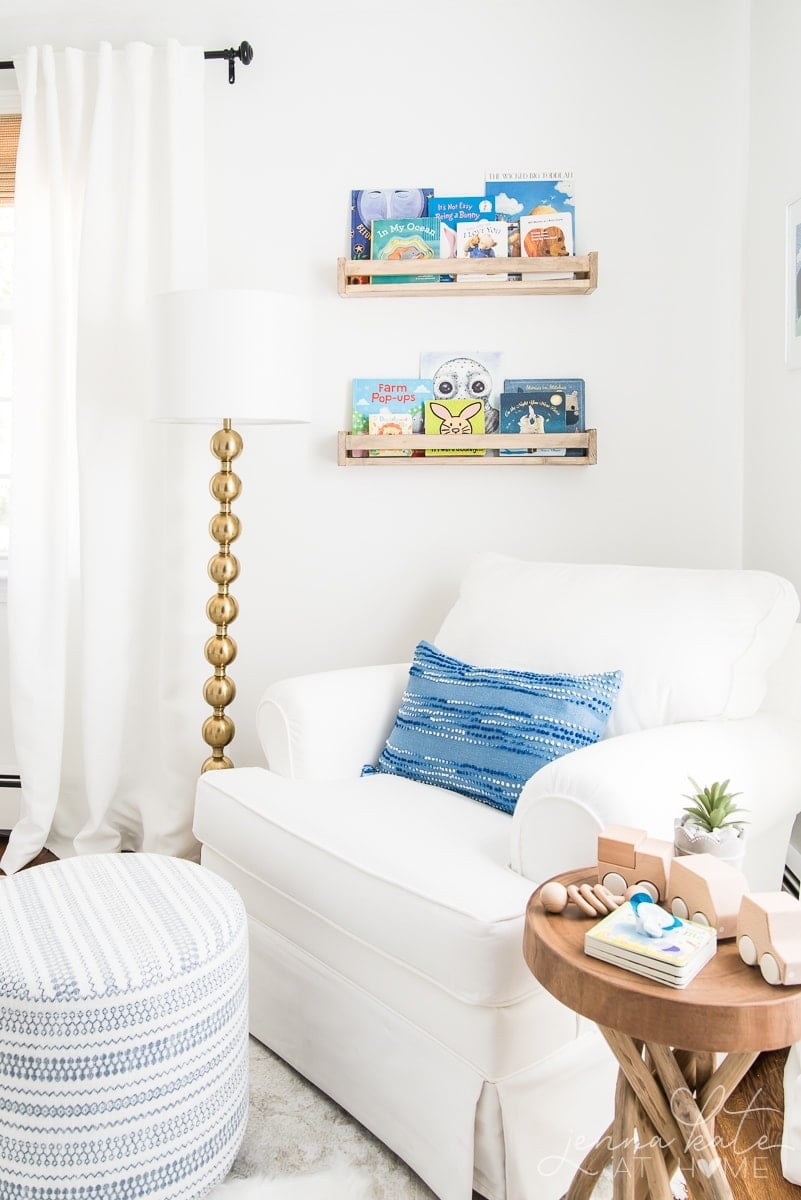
pixel 9 137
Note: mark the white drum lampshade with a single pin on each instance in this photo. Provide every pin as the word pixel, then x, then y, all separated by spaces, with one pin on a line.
pixel 228 357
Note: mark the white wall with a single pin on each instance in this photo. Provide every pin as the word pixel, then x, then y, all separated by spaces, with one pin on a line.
pixel 772 527
pixel 344 566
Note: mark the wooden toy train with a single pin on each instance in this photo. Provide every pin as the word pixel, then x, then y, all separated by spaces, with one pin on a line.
pixel 705 889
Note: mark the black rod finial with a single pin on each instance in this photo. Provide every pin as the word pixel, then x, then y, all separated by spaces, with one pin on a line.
pixel 245 55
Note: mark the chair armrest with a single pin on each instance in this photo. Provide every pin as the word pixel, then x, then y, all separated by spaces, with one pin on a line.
pixel 328 725
pixel 640 779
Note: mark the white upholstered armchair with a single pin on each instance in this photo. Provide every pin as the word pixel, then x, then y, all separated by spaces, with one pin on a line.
pixel 386 914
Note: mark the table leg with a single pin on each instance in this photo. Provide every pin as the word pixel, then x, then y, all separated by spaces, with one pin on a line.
pixel 655 1165
pixel 698 1156
pixel 666 1102
pixel 623 1140
pixel 588 1174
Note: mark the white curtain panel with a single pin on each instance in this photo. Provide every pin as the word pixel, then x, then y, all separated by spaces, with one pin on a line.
pixel 109 210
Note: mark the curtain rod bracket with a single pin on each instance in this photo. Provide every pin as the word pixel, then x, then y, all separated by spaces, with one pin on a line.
pixel 244 52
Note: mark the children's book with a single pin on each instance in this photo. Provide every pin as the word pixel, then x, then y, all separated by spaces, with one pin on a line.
pixel 546 235
pixel 674 957
pixel 371 204
pixel 387 424
pixel 405 240
pixel 482 239
pixel 380 403
pixel 539 410
pixel 574 401
pixel 450 209
pixel 519 194
pixel 455 417
pixel 466 375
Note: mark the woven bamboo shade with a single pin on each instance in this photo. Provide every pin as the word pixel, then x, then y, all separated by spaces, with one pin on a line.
pixel 9 137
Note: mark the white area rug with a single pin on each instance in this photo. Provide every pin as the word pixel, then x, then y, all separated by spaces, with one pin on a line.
pixel 300 1145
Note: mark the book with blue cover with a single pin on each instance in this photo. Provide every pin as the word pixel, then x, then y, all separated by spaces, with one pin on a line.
pixel 519 194
pixel 674 957
pixel 388 406
pixel 371 204
pixel 574 390
pixel 533 411
pixel 405 240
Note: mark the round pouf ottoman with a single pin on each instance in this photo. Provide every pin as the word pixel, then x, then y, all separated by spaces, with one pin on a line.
pixel 123 1029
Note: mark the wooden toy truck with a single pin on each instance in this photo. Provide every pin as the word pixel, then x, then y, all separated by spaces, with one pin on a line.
pixel 628 856
pixel 769 935
pixel 696 887
pixel 706 890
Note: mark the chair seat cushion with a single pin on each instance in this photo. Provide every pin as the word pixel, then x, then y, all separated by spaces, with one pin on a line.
pixel 419 873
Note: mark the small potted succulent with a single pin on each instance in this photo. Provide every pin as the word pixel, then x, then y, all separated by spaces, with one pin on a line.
pixel 710 824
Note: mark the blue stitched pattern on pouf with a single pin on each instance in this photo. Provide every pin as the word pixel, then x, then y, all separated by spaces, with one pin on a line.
pixel 123 1011
pixel 484 731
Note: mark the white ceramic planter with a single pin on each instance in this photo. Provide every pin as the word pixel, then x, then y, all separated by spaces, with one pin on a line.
pixel 726 844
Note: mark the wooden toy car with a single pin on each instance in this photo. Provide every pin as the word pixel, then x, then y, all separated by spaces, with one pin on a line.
pixel 706 890
pixel 769 933
pixel 628 856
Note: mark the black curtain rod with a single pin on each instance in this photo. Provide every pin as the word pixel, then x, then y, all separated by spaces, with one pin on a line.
pixel 243 52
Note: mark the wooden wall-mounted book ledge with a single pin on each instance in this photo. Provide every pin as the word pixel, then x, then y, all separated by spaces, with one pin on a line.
pixel 577 276
pixel 586 442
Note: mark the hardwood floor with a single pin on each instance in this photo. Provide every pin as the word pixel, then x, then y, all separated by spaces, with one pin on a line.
pixel 750 1133
pixel 44 857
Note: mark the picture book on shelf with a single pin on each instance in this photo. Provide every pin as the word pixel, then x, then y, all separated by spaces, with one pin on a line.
pixel 450 209
pixel 533 411
pixel 482 239
pixel 574 401
pixel 519 194
pixel 454 418
pixel 546 235
pixel 466 375
pixel 387 424
pixel 674 957
pixel 405 240
pixel 370 204
pixel 389 406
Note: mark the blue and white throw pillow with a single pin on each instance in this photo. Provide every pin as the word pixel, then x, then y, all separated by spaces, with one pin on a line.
pixel 484 731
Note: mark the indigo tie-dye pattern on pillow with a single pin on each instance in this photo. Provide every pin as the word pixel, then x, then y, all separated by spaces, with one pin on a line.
pixel 485 731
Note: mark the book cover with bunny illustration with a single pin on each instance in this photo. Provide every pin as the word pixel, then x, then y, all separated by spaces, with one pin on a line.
pixel 466 375
pixel 454 418
pixel 450 210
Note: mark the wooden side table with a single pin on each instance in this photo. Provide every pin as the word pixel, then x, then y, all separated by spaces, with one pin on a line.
pixel 665 1040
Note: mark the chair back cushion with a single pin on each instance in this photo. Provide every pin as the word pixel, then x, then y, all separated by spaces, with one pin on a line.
pixel 693 644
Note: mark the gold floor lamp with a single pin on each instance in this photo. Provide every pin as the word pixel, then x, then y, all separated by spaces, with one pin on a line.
pixel 236 351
